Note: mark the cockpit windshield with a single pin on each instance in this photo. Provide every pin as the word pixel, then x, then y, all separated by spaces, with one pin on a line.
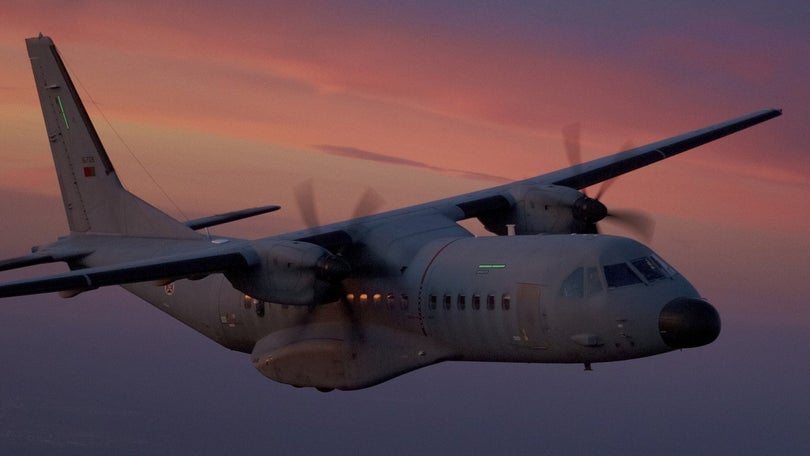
pixel 585 281
pixel 650 268
pixel 642 270
pixel 620 275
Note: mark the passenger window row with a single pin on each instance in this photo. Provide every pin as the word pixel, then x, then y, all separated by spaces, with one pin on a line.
pixel 475 303
pixel 393 301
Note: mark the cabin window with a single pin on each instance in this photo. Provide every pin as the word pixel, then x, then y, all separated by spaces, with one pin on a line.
pixel 433 300
pixel 389 299
pixel 403 301
pixel 377 299
pixel 363 298
pixel 506 302
pixel 491 302
pixel 448 300
pixel 620 275
pixel 260 309
pixel 476 302
pixel 461 302
pixel 350 298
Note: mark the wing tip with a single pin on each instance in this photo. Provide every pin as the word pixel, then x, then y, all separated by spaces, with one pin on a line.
pixel 772 112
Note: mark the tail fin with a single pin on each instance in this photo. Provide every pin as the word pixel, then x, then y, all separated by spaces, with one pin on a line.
pixel 95 201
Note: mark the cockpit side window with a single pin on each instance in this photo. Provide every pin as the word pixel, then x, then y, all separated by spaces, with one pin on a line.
pixel 582 282
pixel 573 285
pixel 593 283
pixel 620 275
pixel 650 268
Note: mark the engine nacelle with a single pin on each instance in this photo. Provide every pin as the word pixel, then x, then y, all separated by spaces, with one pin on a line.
pixel 293 273
pixel 549 209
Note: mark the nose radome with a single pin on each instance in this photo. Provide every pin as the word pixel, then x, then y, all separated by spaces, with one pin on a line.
pixel 688 322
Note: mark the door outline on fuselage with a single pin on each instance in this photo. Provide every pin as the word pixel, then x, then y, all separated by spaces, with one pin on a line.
pixel 532 323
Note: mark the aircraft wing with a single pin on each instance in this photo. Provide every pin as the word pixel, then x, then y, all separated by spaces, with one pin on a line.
pixel 593 172
pixel 442 214
pixel 605 168
pixel 160 268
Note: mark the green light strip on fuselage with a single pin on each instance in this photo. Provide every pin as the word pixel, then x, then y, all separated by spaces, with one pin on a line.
pixel 62 108
pixel 491 266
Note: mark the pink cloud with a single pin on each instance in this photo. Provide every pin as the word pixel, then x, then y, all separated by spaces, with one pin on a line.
pixel 320 75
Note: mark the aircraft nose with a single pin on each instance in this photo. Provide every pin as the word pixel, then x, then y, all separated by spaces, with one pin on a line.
pixel 688 322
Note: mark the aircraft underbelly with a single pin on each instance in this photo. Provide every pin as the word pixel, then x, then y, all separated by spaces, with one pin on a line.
pixel 328 356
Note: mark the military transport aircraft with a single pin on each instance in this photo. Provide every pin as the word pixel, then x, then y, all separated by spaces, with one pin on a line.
pixel 352 304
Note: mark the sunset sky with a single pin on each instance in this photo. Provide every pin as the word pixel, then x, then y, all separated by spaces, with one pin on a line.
pixel 233 104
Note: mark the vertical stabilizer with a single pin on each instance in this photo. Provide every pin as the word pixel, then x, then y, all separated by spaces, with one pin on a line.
pixel 95 201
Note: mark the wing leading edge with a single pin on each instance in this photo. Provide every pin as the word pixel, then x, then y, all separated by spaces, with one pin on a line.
pixel 605 168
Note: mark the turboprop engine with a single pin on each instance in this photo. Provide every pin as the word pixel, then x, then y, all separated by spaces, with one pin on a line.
pixel 549 209
pixel 293 273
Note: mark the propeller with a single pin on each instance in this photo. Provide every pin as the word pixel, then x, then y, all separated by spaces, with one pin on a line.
pixel 305 197
pixel 370 202
pixel 633 220
pixel 591 210
pixel 339 242
pixel 573 144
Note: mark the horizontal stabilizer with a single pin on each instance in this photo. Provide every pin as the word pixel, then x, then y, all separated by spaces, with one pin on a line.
pixel 219 219
pixel 171 267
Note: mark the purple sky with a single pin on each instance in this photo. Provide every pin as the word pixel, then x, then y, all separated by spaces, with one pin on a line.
pixel 232 105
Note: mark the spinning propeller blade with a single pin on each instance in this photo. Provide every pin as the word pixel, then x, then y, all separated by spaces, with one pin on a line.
pixel 633 220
